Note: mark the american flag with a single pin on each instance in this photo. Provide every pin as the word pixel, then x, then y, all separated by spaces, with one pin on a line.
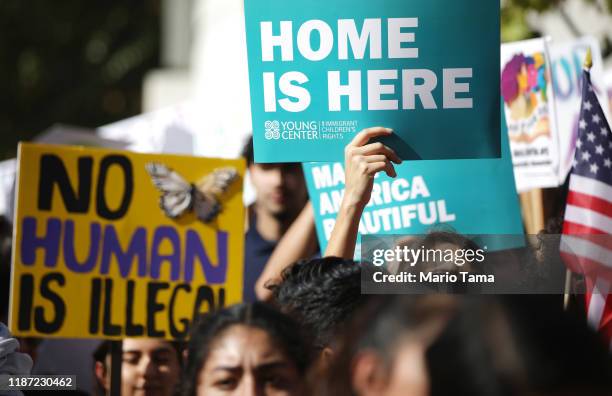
pixel 586 244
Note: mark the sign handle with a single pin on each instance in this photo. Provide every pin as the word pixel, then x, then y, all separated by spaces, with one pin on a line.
pixel 116 361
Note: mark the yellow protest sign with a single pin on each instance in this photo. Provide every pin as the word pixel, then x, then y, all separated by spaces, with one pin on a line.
pixel 112 244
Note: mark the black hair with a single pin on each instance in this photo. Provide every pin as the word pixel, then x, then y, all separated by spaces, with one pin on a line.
pixel 517 345
pixel 248 152
pixel 103 350
pixel 487 345
pixel 209 327
pixel 379 327
pixel 321 294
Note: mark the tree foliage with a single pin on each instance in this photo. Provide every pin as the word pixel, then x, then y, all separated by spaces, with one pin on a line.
pixel 72 61
pixel 513 15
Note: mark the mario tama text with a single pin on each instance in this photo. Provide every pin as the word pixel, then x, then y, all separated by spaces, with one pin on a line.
pixel 430 277
pixel 440 265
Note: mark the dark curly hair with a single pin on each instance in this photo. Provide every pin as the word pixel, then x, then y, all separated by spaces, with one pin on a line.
pixel 209 327
pixel 321 294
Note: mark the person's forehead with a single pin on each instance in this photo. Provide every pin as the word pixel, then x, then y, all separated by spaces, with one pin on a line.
pixel 240 345
pixel 146 345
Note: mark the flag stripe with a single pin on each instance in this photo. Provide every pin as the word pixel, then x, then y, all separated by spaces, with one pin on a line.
pixel 589 201
pixel 606 321
pixel 590 234
pixel 584 248
pixel 570 227
pixel 583 265
pixel 590 186
pixel 598 303
pixel 588 217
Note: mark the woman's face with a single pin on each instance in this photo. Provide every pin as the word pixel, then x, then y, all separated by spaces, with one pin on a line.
pixel 245 361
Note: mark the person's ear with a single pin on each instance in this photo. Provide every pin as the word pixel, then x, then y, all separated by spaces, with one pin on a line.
pixel 367 374
pixel 327 354
pixel 325 358
pixel 100 371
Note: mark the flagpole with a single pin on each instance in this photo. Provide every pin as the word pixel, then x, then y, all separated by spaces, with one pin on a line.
pixel 588 60
pixel 588 64
pixel 568 285
pixel 537 210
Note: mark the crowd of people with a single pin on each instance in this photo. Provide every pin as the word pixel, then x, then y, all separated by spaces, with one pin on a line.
pixel 306 328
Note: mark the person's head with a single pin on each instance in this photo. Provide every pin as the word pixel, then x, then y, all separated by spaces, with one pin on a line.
pixel 444 251
pixel 280 188
pixel 517 345
pixel 384 347
pixel 148 366
pixel 321 294
pixel 246 349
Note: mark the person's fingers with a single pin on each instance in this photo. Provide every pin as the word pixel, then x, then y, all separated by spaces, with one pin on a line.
pixel 386 166
pixel 364 136
pixel 375 158
pixel 390 170
pixel 356 161
pixel 378 148
pixel 376 167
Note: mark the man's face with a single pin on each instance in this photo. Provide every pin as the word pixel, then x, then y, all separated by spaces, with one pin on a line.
pixel 280 188
pixel 149 367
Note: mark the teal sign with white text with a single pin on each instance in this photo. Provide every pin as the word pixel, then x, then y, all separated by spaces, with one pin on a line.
pixel 472 197
pixel 320 71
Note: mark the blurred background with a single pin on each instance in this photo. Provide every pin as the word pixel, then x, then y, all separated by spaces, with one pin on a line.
pixel 75 62
pixel 560 19
pixel 92 63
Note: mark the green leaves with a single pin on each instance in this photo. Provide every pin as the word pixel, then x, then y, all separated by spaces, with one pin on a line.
pixel 513 15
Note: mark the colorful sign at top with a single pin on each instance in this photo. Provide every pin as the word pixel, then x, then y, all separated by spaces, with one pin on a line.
pixel 321 71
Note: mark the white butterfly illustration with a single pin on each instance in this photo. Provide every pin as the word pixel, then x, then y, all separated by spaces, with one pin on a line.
pixel 180 197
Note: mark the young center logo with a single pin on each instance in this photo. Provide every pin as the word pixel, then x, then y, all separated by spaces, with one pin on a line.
pixel 272 130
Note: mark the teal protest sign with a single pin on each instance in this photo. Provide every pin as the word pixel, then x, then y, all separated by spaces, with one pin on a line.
pixel 320 71
pixel 473 197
